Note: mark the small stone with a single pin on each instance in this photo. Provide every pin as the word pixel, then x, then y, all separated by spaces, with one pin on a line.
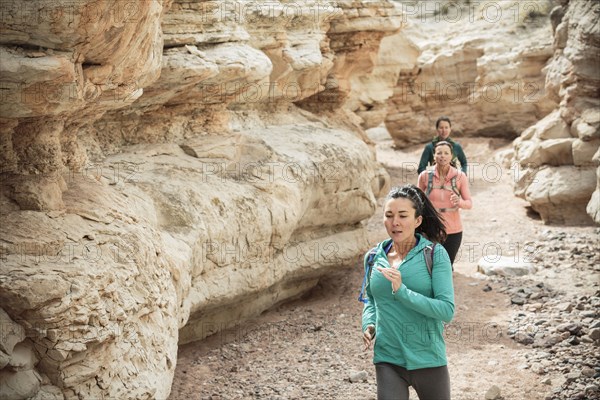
pixel 523 338
pixel 592 388
pixel 574 340
pixel 595 334
pixel 586 339
pixel 588 314
pixel 589 372
pixel 517 300
pixel 535 307
pixel 552 340
pixel 360 376
pixel 493 393
pixel 567 307
pixel 538 369
pixel 537 295
pixel 565 335
pixel 571 376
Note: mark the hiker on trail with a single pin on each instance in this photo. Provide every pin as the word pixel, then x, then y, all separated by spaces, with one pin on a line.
pixel 407 302
pixel 448 190
pixel 443 127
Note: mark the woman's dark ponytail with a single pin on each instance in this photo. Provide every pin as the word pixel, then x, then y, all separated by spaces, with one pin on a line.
pixel 432 226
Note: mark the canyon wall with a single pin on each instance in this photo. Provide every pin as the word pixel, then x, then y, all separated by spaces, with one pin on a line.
pixel 480 63
pixel 559 156
pixel 170 168
pixel 526 71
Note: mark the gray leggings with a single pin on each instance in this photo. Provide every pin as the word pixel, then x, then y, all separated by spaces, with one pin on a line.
pixel 429 383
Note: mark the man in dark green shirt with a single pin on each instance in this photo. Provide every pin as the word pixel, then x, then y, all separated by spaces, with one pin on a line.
pixel 443 127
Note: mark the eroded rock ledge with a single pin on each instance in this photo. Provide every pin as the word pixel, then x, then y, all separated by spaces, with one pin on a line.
pixel 169 169
pixel 559 156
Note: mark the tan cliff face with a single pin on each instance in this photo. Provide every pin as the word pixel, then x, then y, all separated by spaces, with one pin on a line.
pixel 480 63
pixel 559 156
pixel 169 169
pixel 513 70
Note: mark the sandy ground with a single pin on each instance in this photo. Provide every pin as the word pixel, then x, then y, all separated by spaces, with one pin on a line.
pixel 309 348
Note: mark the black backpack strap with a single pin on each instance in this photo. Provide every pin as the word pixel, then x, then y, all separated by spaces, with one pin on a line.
pixel 429 182
pixel 428 254
pixel 453 184
pixel 369 262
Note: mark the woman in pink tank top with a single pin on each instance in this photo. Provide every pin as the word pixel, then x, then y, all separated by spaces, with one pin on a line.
pixel 448 190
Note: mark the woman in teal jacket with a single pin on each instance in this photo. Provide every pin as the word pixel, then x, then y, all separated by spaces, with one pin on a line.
pixel 407 307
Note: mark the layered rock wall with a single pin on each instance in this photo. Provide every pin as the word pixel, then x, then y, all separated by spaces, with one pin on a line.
pixel 559 156
pixel 170 168
pixel 473 65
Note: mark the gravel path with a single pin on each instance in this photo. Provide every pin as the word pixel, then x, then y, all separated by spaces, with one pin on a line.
pixel 311 348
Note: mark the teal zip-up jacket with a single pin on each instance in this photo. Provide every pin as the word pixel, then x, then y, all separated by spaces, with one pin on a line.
pixel 409 324
pixel 427 155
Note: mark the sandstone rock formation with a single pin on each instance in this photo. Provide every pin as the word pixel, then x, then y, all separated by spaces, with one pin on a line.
pixel 170 168
pixel 559 156
pixel 472 65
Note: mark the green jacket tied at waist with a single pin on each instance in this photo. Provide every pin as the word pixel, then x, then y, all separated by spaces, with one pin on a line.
pixel 427 156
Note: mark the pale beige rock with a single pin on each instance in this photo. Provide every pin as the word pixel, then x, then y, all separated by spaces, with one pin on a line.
pixel 557 193
pixel 354 37
pixel 48 392
pixel 85 58
pixel 18 385
pixel 12 333
pixel 4 359
pixel 552 126
pixel 583 151
pixel 396 56
pixel 22 358
pixel 279 193
pixel 583 130
pixel 527 152
pixel 557 152
pixel 535 153
pixel 593 207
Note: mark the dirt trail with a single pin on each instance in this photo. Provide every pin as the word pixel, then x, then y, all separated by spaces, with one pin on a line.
pixel 309 348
